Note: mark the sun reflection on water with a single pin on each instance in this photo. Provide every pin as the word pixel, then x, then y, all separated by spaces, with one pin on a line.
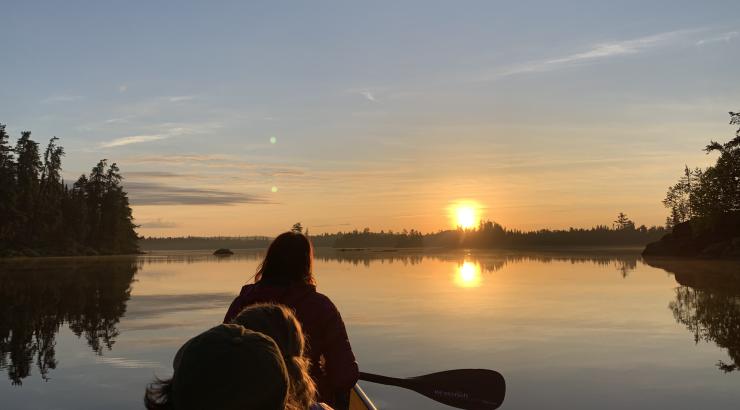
pixel 468 275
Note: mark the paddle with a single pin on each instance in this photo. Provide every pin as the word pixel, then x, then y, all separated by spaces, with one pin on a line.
pixel 470 389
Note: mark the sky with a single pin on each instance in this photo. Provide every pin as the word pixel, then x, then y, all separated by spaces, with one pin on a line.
pixel 241 118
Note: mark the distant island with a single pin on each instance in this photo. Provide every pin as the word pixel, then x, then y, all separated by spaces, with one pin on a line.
pixel 40 215
pixel 705 207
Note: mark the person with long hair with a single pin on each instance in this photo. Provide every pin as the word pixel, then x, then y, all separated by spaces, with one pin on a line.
pixel 281 325
pixel 227 367
pixel 285 277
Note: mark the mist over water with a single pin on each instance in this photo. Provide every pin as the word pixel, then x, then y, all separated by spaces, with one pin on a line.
pixel 585 330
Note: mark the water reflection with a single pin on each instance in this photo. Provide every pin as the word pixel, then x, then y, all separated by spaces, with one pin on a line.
pixel 90 295
pixel 623 262
pixel 468 275
pixel 38 297
pixel 707 302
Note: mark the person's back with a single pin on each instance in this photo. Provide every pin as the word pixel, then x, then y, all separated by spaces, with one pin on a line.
pixel 285 278
pixel 322 326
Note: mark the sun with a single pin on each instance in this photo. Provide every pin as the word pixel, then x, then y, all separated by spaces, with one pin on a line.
pixel 466 217
pixel 465 214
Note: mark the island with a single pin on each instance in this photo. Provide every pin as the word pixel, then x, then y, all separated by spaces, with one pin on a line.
pixel 705 207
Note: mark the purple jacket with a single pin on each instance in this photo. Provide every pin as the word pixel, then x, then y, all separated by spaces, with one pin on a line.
pixel 323 327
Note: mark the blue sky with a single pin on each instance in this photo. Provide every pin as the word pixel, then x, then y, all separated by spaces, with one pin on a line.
pixel 546 114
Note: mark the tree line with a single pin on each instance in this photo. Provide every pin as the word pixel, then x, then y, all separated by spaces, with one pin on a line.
pixel 40 214
pixel 489 234
pixel 712 191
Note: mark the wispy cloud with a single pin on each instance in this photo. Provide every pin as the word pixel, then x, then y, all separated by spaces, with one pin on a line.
pixel 368 95
pixel 149 193
pixel 137 139
pixel 122 88
pixel 725 37
pixel 180 98
pixel 61 98
pixel 178 159
pixel 134 139
pixel 597 53
pixel 158 223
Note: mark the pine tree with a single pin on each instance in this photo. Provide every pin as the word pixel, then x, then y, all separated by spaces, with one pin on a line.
pixel 7 190
pixel 28 168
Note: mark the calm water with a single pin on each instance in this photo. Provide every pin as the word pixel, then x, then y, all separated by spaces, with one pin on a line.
pixel 567 331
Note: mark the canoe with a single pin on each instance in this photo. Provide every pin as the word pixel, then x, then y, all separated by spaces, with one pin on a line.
pixel 358 400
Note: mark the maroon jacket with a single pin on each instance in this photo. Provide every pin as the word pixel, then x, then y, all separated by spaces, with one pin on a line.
pixel 323 327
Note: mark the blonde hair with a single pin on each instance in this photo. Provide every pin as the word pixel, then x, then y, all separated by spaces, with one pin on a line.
pixel 279 322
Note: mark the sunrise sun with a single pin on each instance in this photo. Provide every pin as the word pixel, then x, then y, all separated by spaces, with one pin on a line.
pixel 465 215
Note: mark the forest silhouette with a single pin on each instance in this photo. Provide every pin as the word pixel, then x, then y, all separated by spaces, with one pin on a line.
pixel 41 215
pixel 488 235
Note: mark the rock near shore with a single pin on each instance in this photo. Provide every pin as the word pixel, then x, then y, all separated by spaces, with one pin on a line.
pixel 715 237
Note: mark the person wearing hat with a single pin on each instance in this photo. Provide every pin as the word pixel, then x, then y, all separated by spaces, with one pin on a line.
pixel 226 367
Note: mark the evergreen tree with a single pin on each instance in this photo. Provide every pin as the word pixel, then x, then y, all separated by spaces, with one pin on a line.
pixel 7 190
pixel 28 168
pixel 51 192
pixel 623 222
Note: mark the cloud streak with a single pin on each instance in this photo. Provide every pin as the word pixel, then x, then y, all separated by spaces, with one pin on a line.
pixel 149 193
pixel 137 139
pixel 180 98
pixel 368 95
pixel 134 139
pixel 726 38
pixel 596 53
pixel 159 223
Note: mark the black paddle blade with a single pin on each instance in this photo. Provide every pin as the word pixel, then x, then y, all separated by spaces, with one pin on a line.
pixel 470 389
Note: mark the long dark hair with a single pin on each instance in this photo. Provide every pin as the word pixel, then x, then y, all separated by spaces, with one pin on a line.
pixel 288 260
pixel 279 322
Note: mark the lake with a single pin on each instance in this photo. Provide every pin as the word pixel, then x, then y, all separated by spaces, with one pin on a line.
pixel 568 330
